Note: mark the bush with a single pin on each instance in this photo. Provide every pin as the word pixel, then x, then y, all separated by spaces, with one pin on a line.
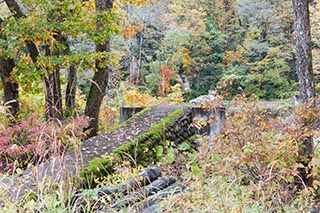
pixel 253 165
pixel 33 141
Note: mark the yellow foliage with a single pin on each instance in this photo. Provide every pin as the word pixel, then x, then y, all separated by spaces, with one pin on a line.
pixel 130 31
pixel 224 13
pixel 176 96
pixel 109 117
pixel 137 2
pixel 134 98
pixel 90 5
pixel 231 56
pixel 186 58
pixel 193 17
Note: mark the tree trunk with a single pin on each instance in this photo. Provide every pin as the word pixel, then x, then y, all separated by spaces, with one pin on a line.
pixel 100 78
pixel 10 87
pixel 72 81
pixel 9 84
pixel 53 99
pixel 71 90
pixel 15 8
pixel 305 76
pixel 303 50
pixel 140 58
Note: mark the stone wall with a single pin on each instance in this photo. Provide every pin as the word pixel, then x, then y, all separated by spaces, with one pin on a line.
pixel 178 127
pixel 215 117
pixel 150 146
pixel 175 129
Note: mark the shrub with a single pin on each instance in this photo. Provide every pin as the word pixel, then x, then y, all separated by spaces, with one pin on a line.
pixel 33 141
pixel 252 165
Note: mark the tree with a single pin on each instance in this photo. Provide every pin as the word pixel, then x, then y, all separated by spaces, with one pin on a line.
pixel 53 98
pixel 315 29
pixel 303 50
pixel 305 75
pixel 100 78
pixel 9 83
pixel 10 86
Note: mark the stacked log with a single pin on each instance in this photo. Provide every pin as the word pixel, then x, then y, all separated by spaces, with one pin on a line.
pixel 138 194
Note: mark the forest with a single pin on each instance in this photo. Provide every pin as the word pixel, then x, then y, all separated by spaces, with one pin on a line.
pixel 68 67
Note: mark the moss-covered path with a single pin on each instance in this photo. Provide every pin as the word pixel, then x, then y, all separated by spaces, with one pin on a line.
pixel 64 167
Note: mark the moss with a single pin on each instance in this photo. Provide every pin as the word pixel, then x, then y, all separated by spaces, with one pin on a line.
pixel 94 172
pixel 141 150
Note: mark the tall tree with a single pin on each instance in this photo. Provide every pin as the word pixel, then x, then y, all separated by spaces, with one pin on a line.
pixel 305 74
pixel 71 90
pixel 10 86
pixel 303 50
pixel 53 100
pixel 9 83
pixel 100 78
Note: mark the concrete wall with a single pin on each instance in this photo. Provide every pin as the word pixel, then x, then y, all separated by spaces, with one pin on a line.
pixel 215 117
pixel 128 112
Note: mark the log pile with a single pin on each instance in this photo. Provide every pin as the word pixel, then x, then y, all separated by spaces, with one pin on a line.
pixel 138 194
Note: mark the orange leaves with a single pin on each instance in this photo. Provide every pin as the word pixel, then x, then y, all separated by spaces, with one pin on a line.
pixel 137 2
pixel 260 143
pixel 109 117
pixel 166 75
pixel 130 31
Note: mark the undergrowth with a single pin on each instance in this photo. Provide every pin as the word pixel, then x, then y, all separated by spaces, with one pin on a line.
pixel 252 165
pixel 33 141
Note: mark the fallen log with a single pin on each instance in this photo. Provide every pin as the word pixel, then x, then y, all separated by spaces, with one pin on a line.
pixel 150 205
pixel 144 178
pixel 144 192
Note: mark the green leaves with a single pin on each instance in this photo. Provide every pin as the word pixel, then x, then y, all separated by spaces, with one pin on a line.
pixel 184 146
pixel 159 150
pixel 170 156
pixel 108 21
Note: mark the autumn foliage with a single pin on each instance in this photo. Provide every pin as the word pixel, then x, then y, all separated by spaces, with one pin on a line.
pixel 166 75
pixel 31 141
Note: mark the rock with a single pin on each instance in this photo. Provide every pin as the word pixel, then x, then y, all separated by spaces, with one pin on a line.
pixel 315 210
pixel 203 99
pixel 151 204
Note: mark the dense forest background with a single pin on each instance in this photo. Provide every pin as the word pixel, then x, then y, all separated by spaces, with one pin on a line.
pixel 229 46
